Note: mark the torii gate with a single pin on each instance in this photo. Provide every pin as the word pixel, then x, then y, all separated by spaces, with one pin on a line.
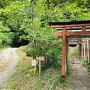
pixel 70 29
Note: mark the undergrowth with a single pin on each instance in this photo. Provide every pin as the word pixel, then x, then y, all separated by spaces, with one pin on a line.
pixel 86 63
pixel 25 79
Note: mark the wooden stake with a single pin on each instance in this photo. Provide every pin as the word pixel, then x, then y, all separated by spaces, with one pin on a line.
pixel 39 67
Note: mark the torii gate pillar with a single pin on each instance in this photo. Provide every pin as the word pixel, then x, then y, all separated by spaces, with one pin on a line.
pixel 64 53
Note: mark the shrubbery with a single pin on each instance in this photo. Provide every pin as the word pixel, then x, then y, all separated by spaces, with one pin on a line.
pixel 49 48
pixel 5 36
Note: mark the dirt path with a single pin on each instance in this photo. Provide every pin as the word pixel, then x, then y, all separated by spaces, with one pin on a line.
pixel 8 61
pixel 80 77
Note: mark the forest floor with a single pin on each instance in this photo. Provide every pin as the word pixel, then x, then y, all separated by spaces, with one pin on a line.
pixel 79 77
pixel 8 61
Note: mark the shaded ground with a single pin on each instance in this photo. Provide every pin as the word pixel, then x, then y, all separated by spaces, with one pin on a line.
pixel 8 61
pixel 80 77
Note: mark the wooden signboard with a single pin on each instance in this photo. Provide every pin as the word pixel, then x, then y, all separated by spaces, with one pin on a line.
pixel 34 62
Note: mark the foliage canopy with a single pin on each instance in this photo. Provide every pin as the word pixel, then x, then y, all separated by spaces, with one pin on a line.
pixel 26 22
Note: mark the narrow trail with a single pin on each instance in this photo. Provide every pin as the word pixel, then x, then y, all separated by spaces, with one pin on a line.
pixel 80 77
pixel 8 61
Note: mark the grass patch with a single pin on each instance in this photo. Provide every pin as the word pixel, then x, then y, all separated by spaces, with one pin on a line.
pixel 86 63
pixel 49 80
pixel 23 79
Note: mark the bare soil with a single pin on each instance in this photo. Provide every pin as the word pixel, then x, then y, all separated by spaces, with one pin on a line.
pixel 8 61
pixel 80 77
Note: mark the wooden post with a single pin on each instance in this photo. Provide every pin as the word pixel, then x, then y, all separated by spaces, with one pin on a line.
pixel 67 50
pixel 84 50
pixel 83 30
pixel 39 67
pixel 87 50
pixel 80 49
pixel 64 53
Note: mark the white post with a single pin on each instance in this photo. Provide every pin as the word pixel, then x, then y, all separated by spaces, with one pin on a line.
pixel 88 49
pixel 84 49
